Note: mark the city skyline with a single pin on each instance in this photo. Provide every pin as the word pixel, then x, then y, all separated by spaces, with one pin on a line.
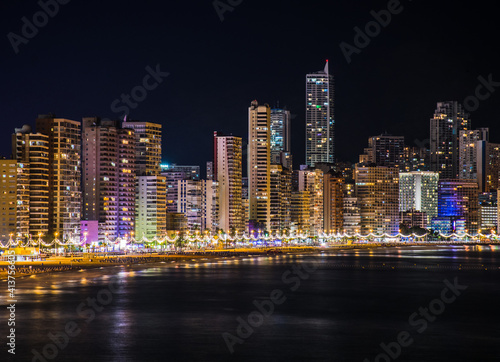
pixel 392 84
pixel 225 176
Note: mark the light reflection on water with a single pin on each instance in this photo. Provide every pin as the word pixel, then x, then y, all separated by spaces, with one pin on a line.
pixel 183 308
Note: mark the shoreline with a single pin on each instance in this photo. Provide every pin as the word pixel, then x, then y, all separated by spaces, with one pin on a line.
pixel 65 264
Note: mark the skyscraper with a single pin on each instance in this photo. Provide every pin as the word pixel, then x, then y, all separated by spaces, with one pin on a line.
pixel 468 152
pixel 280 137
pixel 64 175
pixel 459 199
pixel 351 212
pixel 334 202
pixel 385 150
pixel 418 191
pixel 312 181
pixel 281 189
pixel 148 147
pixel 488 166
pixel 320 121
pixel 109 176
pixel 227 170
pixel 377 189
pixel 151 207
pixel 31 151
pixel 8 199
pixel 259 163
pixel 190 202
pixel 449 119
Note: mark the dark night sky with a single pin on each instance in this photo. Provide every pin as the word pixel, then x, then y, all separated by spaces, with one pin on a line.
pixel 93 51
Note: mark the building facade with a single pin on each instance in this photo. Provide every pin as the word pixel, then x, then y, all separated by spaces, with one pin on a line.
pixel 259 164
pixel 65 199
pixel 385 150
pixel 449 120
pixel 281 193
pixel 377 190
pixel 150 207
pixel 109 177
pixel 418 191
pixel 333 202
pixel 469 155
pixel 320 120
pixel 459 199
pixel 227 169
pixel 280 137
pixel 148 147
pixel 8 200
pixel 31 151
pixel 312 181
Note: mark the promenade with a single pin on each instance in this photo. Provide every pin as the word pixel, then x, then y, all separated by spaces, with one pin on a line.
pixel 98 260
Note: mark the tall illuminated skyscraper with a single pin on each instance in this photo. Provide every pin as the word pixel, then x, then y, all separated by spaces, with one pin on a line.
pixel 64 175
pixel 312 181
pixel 227 170
pixel 31 151
pixel 259 163
pixel 449 119
pixel 469 152
pixel 384 150
pixel 320 121
pixel 418 191
pixel 459 199
pixel 109 177
pixel 377 189
pixel 148 147
pixel 280 137
pixel 281 189
pixel 151 207
pixel 8 199
pixel 333 202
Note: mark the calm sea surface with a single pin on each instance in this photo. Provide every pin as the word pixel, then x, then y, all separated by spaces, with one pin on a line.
pixel 332 306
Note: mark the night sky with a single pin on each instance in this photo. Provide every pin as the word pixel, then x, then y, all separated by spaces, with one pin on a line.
pixel 93 51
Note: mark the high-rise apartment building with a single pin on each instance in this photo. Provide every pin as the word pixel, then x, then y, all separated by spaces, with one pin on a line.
pixel 415 159
pixel 190 203
pixel 210 203
pixel 259 163
pixel 109 176
pixel 173 175
pixel 418 191
pixel 312 180
pixel 281 193
pixel 385 150
pixel 320 121
pixel 227 170
pixel 449 119
pixel 459 199
pixel 198 200
pixel 210 170
pixel 351 212
pixel 377 189
pixel 488 211
pixel 65 200
pixel 192 171
pixel 300 213
pixel 31 151
pixel 280 137
pixel 148 147
pixel 8 200
pixel 333 202
pixel 469 152
pixel 488 166
pixel 150 207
